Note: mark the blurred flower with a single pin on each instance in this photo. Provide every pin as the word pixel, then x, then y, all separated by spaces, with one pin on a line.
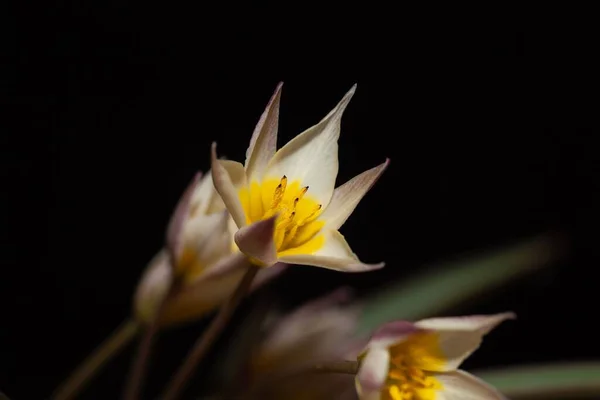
pixel 201 244
pixel 284 203
pixel 406 361
pixel 318 332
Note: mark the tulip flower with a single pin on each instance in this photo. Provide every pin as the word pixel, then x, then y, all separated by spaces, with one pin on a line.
pixel 200 254
pixel 284 203
pixel 419 361
pixel 320 331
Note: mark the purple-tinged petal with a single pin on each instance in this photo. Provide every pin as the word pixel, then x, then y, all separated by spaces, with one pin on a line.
pixel 256 241
pixel 346 197
pixel 339 296
pixel 264 139
pixel 196 299
pixel 393 333
pixel 319 331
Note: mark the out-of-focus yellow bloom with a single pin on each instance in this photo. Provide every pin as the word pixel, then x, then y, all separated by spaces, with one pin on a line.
pixel 406 361
pixel 283 202
pixel 201 244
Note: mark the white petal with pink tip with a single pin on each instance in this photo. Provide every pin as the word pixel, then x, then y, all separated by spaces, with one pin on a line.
pixel 312 157
pixel 372 375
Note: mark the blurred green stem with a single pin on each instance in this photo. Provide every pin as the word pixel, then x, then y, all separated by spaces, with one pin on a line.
pixel 546 381
pixel 84 372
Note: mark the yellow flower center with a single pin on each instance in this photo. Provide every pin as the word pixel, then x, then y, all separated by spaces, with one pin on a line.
pixel 296 228
pixel 406 382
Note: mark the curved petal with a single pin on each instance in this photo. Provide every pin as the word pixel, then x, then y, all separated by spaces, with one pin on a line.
pixel 372 374
pixel 207 239
pixel 333 254
pixel 256 241
pixel 224 174
pixel 309 335
pixel 312 156
pixel 346 197
pixel 444 343
pixel 205 199
pixel 153 287
pixel 264 139
pixel 199 298
pixel 392 333
pixel 460 385
pixel 180 215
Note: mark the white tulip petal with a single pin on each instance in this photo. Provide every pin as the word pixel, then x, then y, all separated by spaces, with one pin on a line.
pixel 201 297
pixel 212 288
pixel 455 339
pixel 207 240
pixel 311 334
pixel 256 241
pixel 153 287
pixel 312 156
pixel 346 197
pixel 460 385
pixel 226 265
pixel 180 216
pixel 264 139
pixel 205 200
pixel 335 254
pixel 224 174
pixel 372 375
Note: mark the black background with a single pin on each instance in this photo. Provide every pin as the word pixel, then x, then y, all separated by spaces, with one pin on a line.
pixel 110 108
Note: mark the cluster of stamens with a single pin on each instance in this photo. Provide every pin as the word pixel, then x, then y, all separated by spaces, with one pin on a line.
pixel 288 223
pixel 404 380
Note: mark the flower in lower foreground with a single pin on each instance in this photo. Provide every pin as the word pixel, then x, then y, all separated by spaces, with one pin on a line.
pixel 321 331
pixel 419 361
pixel 283 202
pixel 199 253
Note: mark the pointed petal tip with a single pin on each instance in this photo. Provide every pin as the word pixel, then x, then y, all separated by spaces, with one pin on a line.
pixel 341 106
pixel 276 94
pixel 508 315
pixel 350 92
pixel 383 166
pixel 362 267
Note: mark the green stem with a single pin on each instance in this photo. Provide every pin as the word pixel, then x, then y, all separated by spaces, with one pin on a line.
pixel 84 372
